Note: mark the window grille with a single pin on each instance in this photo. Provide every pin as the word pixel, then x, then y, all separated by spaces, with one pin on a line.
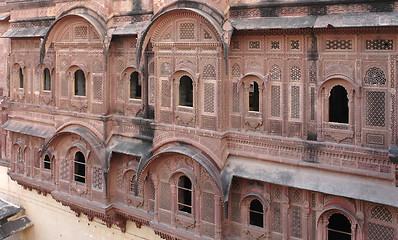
pixel 209 97
pixel 275 101
pixel 375 108
pixel 209 71
pixel 275 73
pixel 375 76
pixel 187 31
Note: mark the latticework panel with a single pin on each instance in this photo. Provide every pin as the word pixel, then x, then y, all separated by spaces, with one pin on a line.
pixel 235 70
pixel 235 98
pixel 208 207
pixel 296 222
pixel 296 196
pixel 277 216
pixel 151 190
pixel 119 65
pixel 375 76
pixel 275 101
pixel 97 66
pixel 64 171
pixel 97 87
pixel 209 71
pixel 381 213
pixel 295 74
pixel 208 229
pixel 380 44
pixel 81 32
pixel 187 31
pixel 275 73
pixel 254 44
pixel 312 96
pixel 151 90
pixel 119 178
pixel 165 94
pixel 165 195
pixel 209 97
pixel 97 178
pixel 235 210
pixel 338 44
pixel 294 44
pixel 380 232
pixel 375 108
pixel 275 45
pixel 295 102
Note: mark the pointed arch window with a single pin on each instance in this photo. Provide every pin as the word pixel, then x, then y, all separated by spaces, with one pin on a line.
pixel 256 213
pixel 20 76
pixel 254 97
pixel 184 198
pixel 186 92
pixel 47 162
pixel 79 173
pixel 338 105
pixel 135 86
pixel 46 80
pixel 80 83
pixel 339 227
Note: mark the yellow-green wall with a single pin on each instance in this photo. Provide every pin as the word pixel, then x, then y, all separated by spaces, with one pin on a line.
pixel 54 221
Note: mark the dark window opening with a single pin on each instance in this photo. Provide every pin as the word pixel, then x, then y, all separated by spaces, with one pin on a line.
pixel 80 168
pixel 184 200
pixel 131 184
pixel 47 162
pixel 254 97
pixel 46 80
pixel 338 105
pixel 339 227
pixel 80 83
pixel 20 78
pixel 186 92
pixel 256 213
pixel 135 86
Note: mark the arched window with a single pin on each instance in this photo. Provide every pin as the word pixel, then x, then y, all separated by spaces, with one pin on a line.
pixel 20 74
pixel 338 105
pixel 46 80
pixel 256 213
pixel 339 227
pixel 135 86
pixel 80 168
pixel 47 162
pixel 254 97
pixel 186 92
pixel 80 83
pixel 184 200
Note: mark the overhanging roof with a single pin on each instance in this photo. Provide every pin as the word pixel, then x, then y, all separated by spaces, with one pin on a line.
pixel 385 19
pixel 26 32
pixel 30 129
pixel 4 16
pixel 130 146
pixel 312 179
pixel 7 226
pixel 131 29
